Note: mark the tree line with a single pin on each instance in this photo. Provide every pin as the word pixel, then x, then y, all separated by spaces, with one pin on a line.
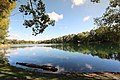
pixel 15 41
pixel 99 35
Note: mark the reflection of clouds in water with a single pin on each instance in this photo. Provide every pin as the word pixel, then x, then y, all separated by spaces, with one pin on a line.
pixel 31 48
pixel 46 48
pixel 88 66
pixel 61 57
pixel 7 54
pixel 60 69
pixel 28 50
pixel 12 52
pixel 34 54
pixel 34 48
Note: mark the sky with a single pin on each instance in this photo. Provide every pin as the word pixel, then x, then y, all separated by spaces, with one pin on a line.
pixel 71 16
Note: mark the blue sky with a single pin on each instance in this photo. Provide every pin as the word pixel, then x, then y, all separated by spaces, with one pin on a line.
pixel 72 17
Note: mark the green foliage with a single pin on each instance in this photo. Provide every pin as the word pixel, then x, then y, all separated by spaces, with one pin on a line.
pixel 14 41
pixel 111 17
pixel 95 1
pixel 5 10
pixel 101 35
pixel 40 20
pixel 3 29
pixel 106 34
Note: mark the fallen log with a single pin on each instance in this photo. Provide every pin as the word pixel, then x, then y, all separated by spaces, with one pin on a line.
pixel 44 67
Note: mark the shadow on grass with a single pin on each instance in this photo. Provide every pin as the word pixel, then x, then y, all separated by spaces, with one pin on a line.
pixel 13 73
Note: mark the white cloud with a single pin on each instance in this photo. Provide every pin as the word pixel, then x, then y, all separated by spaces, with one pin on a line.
pixel 86 18
pixel 12 36
pixel 77 2
pixel 55 16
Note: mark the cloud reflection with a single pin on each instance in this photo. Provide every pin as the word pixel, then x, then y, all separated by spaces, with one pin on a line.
pixel 88 66
pixel 60 69
pixel 34 48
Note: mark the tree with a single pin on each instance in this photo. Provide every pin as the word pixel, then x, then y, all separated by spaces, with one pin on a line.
pixel 40 20
pixel 5 10
pixel 111 17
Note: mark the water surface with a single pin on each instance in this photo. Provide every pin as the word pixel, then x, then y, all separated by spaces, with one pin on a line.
pixel 66 57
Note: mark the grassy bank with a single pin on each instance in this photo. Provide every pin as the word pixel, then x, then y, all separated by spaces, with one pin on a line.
pixel 13 73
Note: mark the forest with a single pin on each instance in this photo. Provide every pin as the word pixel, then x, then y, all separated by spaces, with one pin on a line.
pixel 99 35
pixel 15 41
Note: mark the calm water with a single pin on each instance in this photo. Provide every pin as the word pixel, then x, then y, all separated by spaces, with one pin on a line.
pixel 67 58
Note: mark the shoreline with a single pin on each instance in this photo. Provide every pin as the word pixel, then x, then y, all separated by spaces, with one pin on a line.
pixel 12 72
pixel 4 46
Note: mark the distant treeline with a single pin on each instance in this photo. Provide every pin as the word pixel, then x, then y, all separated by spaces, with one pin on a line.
pixel 14 41
pixel 101 35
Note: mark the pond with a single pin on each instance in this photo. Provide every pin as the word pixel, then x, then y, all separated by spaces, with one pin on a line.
pixel 65 57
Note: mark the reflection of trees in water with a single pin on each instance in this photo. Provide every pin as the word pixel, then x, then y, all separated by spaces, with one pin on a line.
pixel 3 58
pixel 108 51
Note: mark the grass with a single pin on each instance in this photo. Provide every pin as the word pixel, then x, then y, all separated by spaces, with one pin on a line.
pixel 13 73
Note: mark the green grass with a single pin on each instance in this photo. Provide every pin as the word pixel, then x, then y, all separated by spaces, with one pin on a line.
pixel 13 73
